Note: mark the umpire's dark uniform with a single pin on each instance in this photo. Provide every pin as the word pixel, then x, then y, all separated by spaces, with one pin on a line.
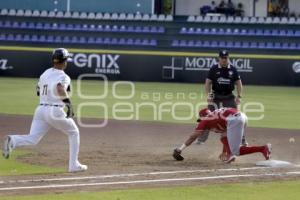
pixel 223 80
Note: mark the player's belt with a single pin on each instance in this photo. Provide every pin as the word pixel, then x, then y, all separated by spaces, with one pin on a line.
pixel 55 105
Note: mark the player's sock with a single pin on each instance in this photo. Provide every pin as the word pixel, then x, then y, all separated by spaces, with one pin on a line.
pixel 248 150
pixel 183 146
pixel 225 143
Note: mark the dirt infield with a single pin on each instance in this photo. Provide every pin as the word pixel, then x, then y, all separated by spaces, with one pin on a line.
pixel 129 152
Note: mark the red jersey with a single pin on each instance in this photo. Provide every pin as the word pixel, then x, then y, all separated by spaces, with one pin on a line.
pixel 216 120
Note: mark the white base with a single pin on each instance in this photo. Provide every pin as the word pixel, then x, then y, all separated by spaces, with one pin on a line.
pixel 273 163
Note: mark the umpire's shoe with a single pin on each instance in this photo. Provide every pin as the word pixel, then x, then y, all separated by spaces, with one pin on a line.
pixel 7 147
pixel 177 155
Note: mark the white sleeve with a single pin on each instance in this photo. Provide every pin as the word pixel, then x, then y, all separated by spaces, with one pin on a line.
pixel 65 81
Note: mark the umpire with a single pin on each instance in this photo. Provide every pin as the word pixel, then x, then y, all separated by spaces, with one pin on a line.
pixel 219 86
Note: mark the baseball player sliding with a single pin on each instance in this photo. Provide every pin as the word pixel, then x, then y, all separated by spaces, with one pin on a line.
pixel 52 88
pixel 231 124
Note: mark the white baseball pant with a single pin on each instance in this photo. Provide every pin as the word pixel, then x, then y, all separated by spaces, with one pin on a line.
pixel 235 131
pixel 44 118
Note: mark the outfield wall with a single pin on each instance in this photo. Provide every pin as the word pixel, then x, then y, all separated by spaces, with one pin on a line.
pixel 152 65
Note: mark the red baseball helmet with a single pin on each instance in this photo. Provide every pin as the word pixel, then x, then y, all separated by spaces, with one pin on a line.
pixel 204 112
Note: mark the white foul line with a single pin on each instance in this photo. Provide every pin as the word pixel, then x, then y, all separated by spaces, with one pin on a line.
pixel 143 181
pixel 134 174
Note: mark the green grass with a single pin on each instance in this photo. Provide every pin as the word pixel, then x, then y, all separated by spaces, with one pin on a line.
pixel 246 191
pixel 281 104
pixel 13 167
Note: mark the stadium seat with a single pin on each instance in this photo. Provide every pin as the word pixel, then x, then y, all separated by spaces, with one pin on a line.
pixel 282 33
pixel 12 12
pixel 290 33
pixel 214 44
pixel 67 15
pixel 114 16
pixel 39 26
pixel 261 45
pixel 18 37
pixel 130 16
pixel 43 13
pixel 253 45
pixel 57 39
pixel 28 13
pixel 222 44
pixel 114 41
pixel 138 17
pixel 275 32
pixel 42 39
pixel 215 19
pixel 153 17
pixel 269 45
pixel 4 12
pixel 59 14
pixel 237 44
pixel 276 20
pixel 206 19
pixel 169 18
pixel 245 20
pixel 161 17
pixel 99 40
pixel 236 31
pixel 198 31
pixel 50 38
pixel 146 17
pixel 190 30
pixel 122 16
pixel 15 25
pixel 34 38
pixel 297 21
pixel 292 20
pixel 213 31
pixel 222 20
pixel 253 20
pixel 229 44
pixel 26 38
pixel 51 14
pixel 122 41
pixel 237 20
pixel 106 16
pixel 83 15
pixel 20 13
pixel 245 45
pixel 2 37
pixel 259 32
pixel 91 15
pixel 277 45
pixel 191 18
pixel 10 37
pixel 106 41
pixel 67 39
pixel 269 20
pixel 199 18
pixel 230 20
pixel 284 20
pixel 99 16
pixel 262 20
pixel 267 32
pixel 129 41
pixel 75 15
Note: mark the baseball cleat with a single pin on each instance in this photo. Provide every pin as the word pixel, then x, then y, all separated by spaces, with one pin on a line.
pixel 267 151
pixel 177 155
pixel 230 159
pixel 79 168
pixel 7 147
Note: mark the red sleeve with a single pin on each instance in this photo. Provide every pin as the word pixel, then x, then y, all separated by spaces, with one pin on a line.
pixel 201 126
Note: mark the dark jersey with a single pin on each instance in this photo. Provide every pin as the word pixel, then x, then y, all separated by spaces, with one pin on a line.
pixel 223 79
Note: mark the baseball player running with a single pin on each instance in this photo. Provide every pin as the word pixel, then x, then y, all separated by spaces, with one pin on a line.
pixel 52 88
pixel 230 123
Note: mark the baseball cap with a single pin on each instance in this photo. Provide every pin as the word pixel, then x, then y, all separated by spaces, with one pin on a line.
pixel 61 55
pixel 223 54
